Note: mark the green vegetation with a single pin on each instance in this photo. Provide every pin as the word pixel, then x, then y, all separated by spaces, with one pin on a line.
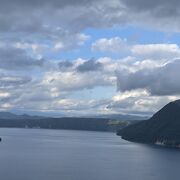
pixel 92 124
pixel 163 128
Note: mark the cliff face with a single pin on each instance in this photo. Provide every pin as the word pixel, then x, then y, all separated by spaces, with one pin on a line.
pixel 162 128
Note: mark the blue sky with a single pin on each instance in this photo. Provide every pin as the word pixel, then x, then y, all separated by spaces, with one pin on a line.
pixel 133 34
pixel 89 57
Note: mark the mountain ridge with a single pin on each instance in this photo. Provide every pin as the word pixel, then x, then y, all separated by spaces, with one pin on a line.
pixel 10 120
pixel 10 115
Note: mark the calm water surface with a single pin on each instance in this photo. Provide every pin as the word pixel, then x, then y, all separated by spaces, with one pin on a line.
pixel 33 154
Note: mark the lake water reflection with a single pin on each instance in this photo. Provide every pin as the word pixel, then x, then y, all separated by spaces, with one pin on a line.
pixel 36 154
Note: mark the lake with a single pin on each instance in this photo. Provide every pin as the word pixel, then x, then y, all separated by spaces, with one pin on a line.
pixel 37 154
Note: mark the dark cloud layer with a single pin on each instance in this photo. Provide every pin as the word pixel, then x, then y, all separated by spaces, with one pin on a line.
pixel 170 7
pixel 16 59
pixel 52 20
pixel 39 16
pixel 157 14
pixel 159 81
pixel 63 65
pixel 90 65
pixel 7 81
pixel 41 3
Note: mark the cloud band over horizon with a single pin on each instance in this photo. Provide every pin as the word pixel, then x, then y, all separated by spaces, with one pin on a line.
pixel 89 57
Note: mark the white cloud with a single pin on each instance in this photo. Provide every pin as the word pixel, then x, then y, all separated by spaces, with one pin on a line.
pixel 147 76
pixel 156 51
pixel 72 81
pixel 138 102
pixel 115 45
pixel 163 51
pixel 70 41
pixel 59 46
pixel 35 47
pixel 157 81
pixel 53 89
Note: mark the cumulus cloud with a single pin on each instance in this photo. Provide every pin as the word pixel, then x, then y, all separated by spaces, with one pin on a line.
pixel 72 81
pixel 138 102
pixel 161 7
pixel 89 65
pixel 55 21
pixel 48 17
pixel 53 88
pixel 64 65
pixel 163 15
pixel 141 51
pixel 69 41
pixel 13 81
pixel 115 45
pixel 156 51
pixel 50 85
pixel 35 35
pixel 16 58
pixel 50 25
pixel 158 81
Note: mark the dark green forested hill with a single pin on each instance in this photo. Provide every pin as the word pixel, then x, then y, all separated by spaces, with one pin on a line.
pixel 100 123
pixel 162 128
pixel 76 123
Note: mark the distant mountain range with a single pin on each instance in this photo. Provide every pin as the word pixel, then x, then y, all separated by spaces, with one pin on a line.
pixel 11 120
pixel 162 128
pixel 9 115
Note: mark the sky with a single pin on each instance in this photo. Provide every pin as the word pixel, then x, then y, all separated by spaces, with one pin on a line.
pixel 81 57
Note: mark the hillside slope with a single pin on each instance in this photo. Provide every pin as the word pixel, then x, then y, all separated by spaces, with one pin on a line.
pixel 162 128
